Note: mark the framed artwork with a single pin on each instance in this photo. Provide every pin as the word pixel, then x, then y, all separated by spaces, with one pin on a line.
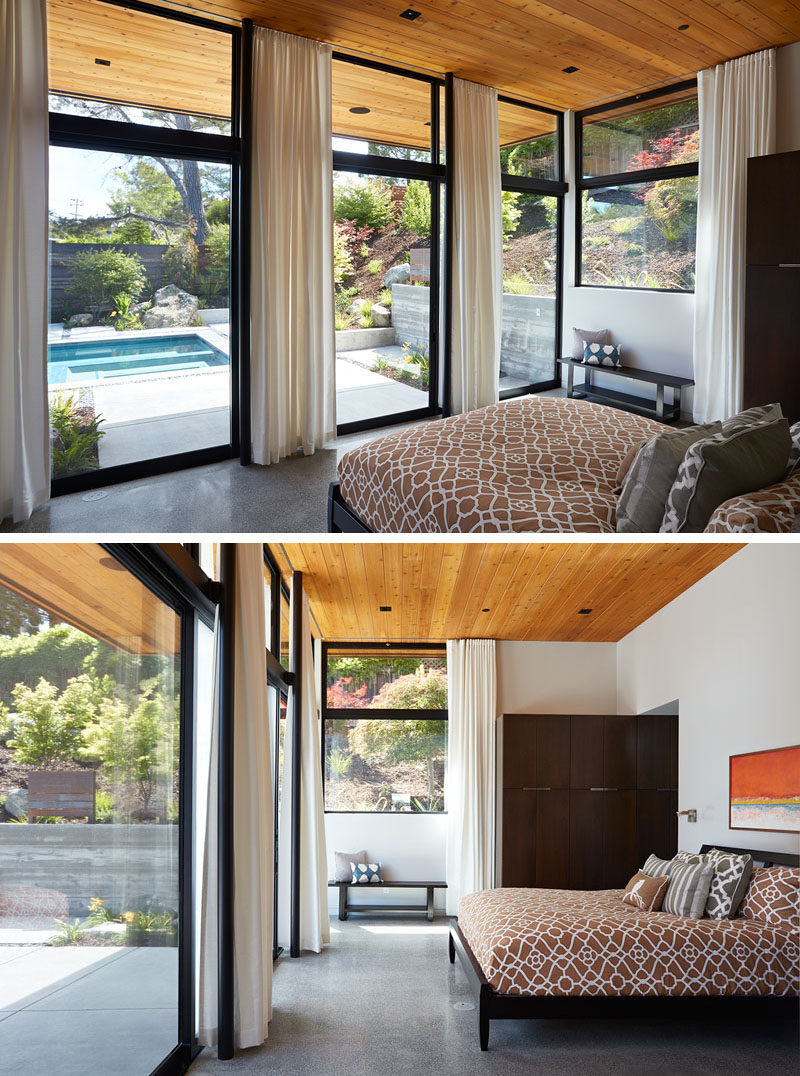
pixel 765 790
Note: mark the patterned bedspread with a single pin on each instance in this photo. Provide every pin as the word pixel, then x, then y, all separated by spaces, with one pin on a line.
pixel 534 463
pixel 767 511
pixel 565 943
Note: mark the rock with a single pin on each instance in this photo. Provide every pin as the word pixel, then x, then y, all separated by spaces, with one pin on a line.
pixel 80 321
pixel 172 308
pixel 398 274
pixel 17 803
pixel 139 308
pixel 56 441
pixel 381 316
pixel 357 306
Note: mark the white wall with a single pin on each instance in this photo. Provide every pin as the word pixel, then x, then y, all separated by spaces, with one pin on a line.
pixel 788 98
pixel 728 650
pixel 556 678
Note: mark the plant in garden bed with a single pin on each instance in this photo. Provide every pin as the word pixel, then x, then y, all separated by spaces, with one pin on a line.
pixel 99 913
pixel 339 763
pixel 341 321
pixel 518 283
pixel 418 355
pixel 385 297
pixel 98 276
pixel 78 434
pixel 122 318
pixel 375 266
pixel 70 932
pixel 150 927
pixel 367 203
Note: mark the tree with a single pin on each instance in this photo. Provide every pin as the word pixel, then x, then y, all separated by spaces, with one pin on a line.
pixel 416 212
pixel 56 654
pixel 47 728
pixel 19 616
pixel 99 276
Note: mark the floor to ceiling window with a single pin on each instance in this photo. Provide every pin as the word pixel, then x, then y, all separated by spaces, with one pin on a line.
pixel 387 197
pixel 144 170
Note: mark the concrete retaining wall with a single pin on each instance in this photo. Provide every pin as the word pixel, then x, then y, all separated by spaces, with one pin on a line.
pixel 411 314
pixel 361 339
pixel 117 863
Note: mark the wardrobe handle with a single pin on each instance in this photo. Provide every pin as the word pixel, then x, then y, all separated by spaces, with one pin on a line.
pixel 789 265
pixel 604 790
pixel 537 788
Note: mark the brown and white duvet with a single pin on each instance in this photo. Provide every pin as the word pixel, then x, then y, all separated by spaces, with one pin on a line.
pixel 534 463
pixel 551 942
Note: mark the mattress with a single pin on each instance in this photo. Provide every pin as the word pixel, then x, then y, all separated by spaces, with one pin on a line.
pixel 534 463
pixel 564 943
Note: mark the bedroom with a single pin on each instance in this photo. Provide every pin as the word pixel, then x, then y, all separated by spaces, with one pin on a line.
pixel 652 677
pixel 176 358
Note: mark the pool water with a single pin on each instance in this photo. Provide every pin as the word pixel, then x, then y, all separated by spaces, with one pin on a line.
pixel 79 361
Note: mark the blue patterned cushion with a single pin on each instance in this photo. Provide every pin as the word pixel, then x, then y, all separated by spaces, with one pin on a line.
pixel 366 873
pixel 601 354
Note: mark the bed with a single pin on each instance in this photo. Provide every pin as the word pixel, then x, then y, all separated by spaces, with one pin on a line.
pixel 533 463
pixel 540 954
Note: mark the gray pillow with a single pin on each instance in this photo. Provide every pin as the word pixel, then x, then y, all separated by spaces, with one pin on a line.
pixel 794 455
pixel 657 868
pixel 343 871
pixel 731 877
pixel 688 888
pixel 652 474
pixel 719 467
pixel 751 417
pixel 591 336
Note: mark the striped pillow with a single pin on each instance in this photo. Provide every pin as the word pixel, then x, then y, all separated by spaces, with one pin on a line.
pixel 688 888
pixel 655 867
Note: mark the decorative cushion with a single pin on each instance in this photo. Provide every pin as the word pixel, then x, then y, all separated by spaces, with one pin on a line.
pixel 580 336
pixel 753 416
pixel 794 455
pixel 690 857
pixel 655 867
pixel 688 888
pixel 731 877
pixel 652 474
pixel 627 463
pixel 717 468
pixel 343 871
pixel 366 873
pixel 601 354
pixel 773 896
pixel 645 892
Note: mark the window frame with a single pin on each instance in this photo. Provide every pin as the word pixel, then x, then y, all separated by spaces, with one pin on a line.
pixel 621 179
pixel 558 188
pixel 346 714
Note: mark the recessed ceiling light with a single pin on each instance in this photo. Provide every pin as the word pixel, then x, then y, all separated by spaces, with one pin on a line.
pixel 410 14
pixel 584 611
pixel 484 610
pixel 359 111
pixel 103 63
pixel 569 70
pixel 385 608
pixel 112 563
pixel 427 123
pixel 685 26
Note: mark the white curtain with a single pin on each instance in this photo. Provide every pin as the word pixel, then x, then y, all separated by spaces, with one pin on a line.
pixel 471 680
pixel 291 291
pixel 477 248
pixel 737 121
pixel 24 424
pixel 253 838
pixel 314 919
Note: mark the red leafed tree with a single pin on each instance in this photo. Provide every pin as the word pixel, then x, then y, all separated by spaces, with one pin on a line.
pixel 341 695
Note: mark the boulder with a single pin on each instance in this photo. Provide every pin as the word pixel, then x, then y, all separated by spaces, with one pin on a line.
pixel 80 321
pixel 357 306
pixel 398 274
pixel 17 803
pixel 381 316
pixel 172 308
pixel 139 308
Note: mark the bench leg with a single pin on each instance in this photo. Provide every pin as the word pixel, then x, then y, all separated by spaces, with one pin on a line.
pixel 430 904
pixel 451 948
pixel 660 403
pixel 343 902
pixel 570 379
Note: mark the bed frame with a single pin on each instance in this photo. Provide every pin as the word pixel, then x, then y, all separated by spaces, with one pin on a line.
pixel 494 1006
pixel 341 518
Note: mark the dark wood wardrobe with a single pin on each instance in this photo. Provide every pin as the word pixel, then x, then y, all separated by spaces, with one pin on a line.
pixel 586 798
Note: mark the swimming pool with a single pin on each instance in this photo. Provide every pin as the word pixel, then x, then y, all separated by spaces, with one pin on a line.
pixel 76 362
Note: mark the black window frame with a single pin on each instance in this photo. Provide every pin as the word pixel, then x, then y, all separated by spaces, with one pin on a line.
pixel 621 179
pixel 558 188
pixel 113 136
pixel 328 713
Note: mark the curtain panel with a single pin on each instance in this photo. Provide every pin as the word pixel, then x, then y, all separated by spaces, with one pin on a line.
pixel 291 290
pixel 737 121
pixel 477 248
pixel 470 797
pixel 24 138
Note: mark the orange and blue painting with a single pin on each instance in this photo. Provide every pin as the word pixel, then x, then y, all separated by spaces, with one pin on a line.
pixel 765 790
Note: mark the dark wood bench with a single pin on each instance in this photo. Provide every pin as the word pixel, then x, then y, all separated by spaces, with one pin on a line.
pixel 600 394
pixel 61 794
pixel 345 908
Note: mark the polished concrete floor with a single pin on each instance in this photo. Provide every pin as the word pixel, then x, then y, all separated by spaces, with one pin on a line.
pixel 384 999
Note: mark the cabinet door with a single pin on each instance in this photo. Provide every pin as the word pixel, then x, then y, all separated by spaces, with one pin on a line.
pixel 619 752
pixel 619 838
pixel 552 751
pixel 656 824
pixel 519 837
pixel 519 750
pixel 552 839
pixel 771 329
pixel 585 839
pixel 586 754
pixel 657 751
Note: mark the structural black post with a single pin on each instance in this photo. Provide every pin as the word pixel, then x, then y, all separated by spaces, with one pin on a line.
pixel 186 923
pixel 449 231
pixel 225 806
pixel 297 701
pixel 245 133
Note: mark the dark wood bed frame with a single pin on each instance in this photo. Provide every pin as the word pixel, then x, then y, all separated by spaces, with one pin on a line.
pixel 341 518
pixel 494 1006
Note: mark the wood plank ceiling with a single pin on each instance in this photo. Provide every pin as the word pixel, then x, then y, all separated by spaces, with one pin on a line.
pixel 496 590
pixel 519 46
pixel 80 584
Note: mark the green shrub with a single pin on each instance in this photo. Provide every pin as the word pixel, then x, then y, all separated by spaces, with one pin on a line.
pixel 368 203
pixel 511 213
pixel 385 297
pixel 342 262
pixel 518 283
pixel 57 654
pixel 48 725
pixel 625 225
pixel 134 231
pixel 635 250
pixel 99 275
pixel 179 262
pixel 375 266
pixel 416 211
pixel 597 242
pixel 75 448
pixel 341 321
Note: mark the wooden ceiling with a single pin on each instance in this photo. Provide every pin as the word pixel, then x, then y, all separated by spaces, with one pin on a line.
pixel 496 590
pixel 80 584
pixel 519 46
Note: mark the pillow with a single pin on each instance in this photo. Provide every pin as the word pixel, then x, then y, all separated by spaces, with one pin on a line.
pixel 773 897
pixel 581 336
pixel 640 508
pixel 731 877
pixel 343 871
pixel 627 463
pixel 655 867
pixel 751 417
pixel 601 354
pixel 688 888
pixel 794 455
pixel 366 873
pixel 717 468
pixel 645 892
pixel 690 857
